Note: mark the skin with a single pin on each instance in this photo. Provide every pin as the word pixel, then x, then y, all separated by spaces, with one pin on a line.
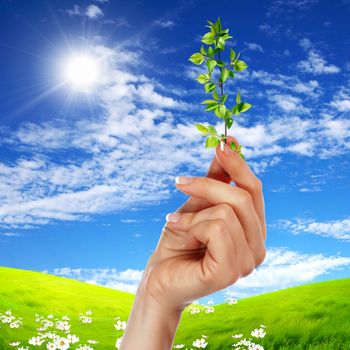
pixel 219 238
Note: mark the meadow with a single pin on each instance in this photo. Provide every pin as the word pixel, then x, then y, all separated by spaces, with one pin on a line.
pixel 312 316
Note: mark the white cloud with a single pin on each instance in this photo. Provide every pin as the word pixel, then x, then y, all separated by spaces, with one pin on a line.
pixel 310 88
pixel 289 8
pixel 268 29
pixel 289 103
pixel 263 165
pixel 305 43
pixel 341 99
pixel 254 47
pixel 316 64
pixel 10 234
pixel 339 229
pixel 342 105
pixel 127 221
pixel 284 268
pixel 93 11
pixel 165 23
pixel 337 129
pixel 148 95
pixel 126 280
pixel 305 148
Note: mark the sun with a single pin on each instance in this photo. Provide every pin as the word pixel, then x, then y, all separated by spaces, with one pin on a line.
pixel 81 71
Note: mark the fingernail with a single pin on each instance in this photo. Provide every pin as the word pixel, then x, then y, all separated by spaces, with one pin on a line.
pixel 173 217
pixel 222 145
pixel 226 149
pixel 183 180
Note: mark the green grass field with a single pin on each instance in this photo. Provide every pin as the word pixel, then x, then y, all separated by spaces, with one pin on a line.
pixel 313 316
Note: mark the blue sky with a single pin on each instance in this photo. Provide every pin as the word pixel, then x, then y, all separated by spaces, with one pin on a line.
pixel 86 178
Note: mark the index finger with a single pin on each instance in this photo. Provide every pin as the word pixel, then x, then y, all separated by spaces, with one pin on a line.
pixel 195 204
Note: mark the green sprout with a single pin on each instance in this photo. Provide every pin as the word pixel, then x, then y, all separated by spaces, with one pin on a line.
pixel 216 39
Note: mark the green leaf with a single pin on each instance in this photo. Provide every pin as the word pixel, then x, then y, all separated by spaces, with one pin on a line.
pixel 228 113
pixel 220 111
pixel 201 127
pixel 202 78
pixel 232 54
pixel 220 63
pixel 229 122
pixel 224 74
pixel 211 26
pixel 240 65
pixel 245 107
pixel 221 43
pixel 205 102
pixel 231 73
pixel 211 141
pixel 226 36
pixel 211 23
pixel 212 130
pixel 238 97
pixel 218 25
pixel 203 50
pixel 208 38
pixel 211 64
pixel 211 52
pixel 224 98
pixel 216 95
pixel 233 146
pixel 209 87
pixel 237 108
pixel 197 58
pixel 211 106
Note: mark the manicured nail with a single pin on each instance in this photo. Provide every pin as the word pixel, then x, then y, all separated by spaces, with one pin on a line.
pixel 173 217
pixel 222 145
pixel 226 149
pixel 183 180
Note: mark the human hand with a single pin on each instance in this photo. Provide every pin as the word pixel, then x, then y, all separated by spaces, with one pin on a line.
pixel 210 248
pixel 219 238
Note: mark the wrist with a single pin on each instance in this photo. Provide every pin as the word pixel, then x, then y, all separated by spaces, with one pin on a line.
pixel 151 325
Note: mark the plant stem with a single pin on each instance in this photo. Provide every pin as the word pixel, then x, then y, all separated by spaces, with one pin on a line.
pixel 222 94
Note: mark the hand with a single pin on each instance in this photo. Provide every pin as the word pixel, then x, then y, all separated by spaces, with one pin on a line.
pixel 207 250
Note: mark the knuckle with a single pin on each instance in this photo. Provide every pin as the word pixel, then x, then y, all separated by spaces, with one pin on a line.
pixel 204 181
pixel 244 198
pixel 260 256
pixel 219 227
pixel 257 185
pixel 231 277
pixel 248 266
pixel 224 211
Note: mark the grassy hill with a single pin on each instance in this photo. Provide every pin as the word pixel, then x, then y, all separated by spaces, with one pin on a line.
pixel 313 316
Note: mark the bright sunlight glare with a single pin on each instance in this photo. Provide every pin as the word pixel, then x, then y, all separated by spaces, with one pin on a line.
pixel 81 71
